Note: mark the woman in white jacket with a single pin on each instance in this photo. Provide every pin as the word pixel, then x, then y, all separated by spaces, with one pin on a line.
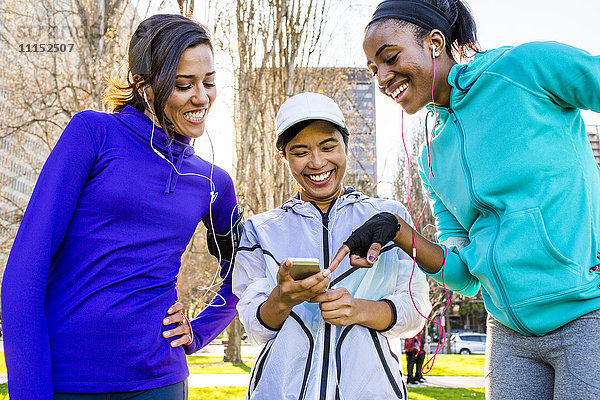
pixel 324 337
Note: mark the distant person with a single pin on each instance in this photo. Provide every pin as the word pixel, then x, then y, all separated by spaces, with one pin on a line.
pixel 324 336
pixel 514 187
pixel 89 292
pixel 415 355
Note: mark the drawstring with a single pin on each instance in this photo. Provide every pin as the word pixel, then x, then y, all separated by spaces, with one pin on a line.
pixel 173 177
pixel 458 74
pixel 180 158
pixel 427 141
pixel 170 178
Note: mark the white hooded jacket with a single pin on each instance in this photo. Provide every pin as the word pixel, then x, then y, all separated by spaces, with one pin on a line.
pixel 308 358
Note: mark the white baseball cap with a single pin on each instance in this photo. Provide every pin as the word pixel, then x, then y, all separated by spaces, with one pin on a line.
pixel 308 106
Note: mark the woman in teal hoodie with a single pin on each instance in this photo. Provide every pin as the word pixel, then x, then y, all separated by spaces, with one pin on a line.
pixel 514 188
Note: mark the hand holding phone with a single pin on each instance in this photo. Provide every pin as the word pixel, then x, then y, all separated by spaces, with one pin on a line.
pixel 302 268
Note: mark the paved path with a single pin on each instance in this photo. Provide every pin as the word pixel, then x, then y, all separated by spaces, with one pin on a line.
pixel 213 380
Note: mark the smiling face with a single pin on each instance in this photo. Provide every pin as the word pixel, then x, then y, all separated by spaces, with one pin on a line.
pixel 194 93
pixel 403 65
pixel 316 157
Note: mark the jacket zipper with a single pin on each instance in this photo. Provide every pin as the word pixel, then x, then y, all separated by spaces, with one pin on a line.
pixel 483 207
pixel 327 333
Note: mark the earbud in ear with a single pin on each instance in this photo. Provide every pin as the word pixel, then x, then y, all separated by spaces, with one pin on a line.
pixel 434 51
pixel 144 93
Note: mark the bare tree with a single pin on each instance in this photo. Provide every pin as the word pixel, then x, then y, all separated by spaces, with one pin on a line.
pixel 277 40
pixel 57 55
pixel 186 8
pixel 274 40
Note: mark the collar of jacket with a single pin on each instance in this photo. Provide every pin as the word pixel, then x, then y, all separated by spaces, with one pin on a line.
pixel 461 78
pixel 139 123
pixel 307 209
pixel 175 150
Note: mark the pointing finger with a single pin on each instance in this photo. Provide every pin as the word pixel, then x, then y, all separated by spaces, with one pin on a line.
pixel 342 252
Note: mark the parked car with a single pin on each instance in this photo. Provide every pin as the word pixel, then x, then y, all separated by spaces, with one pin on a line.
pixel 468 343
pixel 225 341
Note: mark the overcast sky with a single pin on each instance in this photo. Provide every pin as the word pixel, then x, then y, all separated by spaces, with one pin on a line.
pixel 499 22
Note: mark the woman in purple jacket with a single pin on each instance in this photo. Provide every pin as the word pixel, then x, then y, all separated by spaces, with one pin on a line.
pixel 92 272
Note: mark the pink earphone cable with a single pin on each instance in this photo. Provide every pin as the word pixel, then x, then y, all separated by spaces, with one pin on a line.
pixel 427 367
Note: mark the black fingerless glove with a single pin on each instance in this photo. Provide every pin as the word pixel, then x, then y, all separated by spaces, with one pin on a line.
pixel 380 228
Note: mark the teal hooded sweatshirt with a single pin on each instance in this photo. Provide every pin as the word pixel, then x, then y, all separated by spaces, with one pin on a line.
pixel 513 175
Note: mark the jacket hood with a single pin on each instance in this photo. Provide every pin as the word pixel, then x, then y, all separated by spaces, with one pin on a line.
pixel 463 76
pixel 175 151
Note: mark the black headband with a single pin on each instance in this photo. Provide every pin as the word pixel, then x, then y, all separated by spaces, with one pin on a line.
pixel 417 12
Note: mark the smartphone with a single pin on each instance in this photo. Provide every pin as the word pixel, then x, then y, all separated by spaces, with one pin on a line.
pixel 302 268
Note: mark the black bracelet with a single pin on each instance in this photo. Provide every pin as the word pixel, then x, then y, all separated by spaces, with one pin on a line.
pixel 394 315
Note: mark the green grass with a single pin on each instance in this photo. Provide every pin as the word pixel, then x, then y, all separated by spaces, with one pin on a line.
pixel 444 393
pixel 215 365
pixel 445 365
pixel 238 393
pixel 455 365
pixel 218 393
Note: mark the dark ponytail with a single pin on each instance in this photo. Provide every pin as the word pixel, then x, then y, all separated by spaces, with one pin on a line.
pixel 452 17
pixel 464 30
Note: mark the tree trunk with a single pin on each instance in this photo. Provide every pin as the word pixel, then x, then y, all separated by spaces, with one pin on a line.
pixel 233 354
pixel 448 329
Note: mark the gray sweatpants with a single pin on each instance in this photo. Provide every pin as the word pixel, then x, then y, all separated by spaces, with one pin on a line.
pixel 562 365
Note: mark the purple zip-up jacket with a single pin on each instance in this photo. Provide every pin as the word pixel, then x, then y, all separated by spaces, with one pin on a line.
pixel 93 268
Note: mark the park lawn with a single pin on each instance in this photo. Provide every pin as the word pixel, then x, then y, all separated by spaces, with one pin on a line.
pixel 218 393
pixel 454 365
pixel 431 393
pixel 444 365
pixel 238 393
pixel 215 365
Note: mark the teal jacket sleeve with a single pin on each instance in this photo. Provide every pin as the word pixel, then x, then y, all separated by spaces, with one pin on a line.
pixel 455 274
pixel 569 76
pixel 446 224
